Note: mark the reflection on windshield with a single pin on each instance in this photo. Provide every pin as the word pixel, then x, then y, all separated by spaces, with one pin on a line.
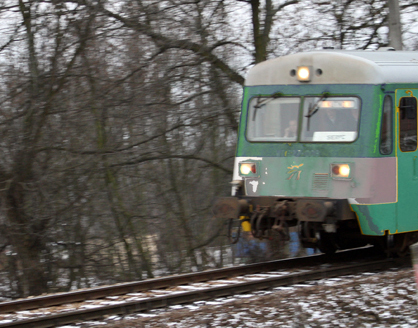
pixel 335 121
pixel 275 120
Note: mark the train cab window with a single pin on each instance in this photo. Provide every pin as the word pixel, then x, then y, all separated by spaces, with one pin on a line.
pixel 333 119
pixel 408 124
pixel 386 130
pixel 273 119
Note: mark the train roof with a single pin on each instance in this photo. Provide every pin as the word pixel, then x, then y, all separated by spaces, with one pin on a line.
pixel 339 66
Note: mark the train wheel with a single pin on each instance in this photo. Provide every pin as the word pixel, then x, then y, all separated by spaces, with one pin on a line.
pixel 258 227
pixel 327 243
pixel 403 245
pixel 398 245
pixel 253 222
pixel 307 234
pixel 380 244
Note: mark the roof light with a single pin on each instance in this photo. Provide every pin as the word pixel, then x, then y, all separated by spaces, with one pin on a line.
pixel 304 73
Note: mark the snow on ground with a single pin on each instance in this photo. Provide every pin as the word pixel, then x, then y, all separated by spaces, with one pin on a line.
pixel 386 299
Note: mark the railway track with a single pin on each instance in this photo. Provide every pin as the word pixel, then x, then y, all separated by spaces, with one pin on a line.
pixel 221 289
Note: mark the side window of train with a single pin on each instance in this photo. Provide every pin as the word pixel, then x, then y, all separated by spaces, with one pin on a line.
pixel 386 131
pixel 408 123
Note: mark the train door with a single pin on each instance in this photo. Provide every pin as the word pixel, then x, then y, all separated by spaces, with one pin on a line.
pixel 407 206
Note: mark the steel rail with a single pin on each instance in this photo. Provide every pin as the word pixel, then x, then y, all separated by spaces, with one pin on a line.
pixel 170 281
pixel 198 295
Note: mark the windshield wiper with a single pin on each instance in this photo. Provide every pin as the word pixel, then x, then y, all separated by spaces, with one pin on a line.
pixel 313 109
pixel 263 102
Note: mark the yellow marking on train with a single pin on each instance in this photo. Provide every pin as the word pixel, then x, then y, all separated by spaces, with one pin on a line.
pixel 294 166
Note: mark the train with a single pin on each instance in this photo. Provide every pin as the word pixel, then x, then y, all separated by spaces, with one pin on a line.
pixel 327 144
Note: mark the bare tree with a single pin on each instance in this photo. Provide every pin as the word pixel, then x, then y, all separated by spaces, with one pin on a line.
pixel 118 124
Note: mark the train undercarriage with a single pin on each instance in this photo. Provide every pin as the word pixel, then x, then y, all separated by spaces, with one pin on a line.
pixel 325 224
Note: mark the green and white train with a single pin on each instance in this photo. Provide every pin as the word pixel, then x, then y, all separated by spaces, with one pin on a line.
pixel 328 142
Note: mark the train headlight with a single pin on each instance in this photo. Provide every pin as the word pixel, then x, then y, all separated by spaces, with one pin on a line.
pixel 248 169
pixel 341 171
pixel 304 73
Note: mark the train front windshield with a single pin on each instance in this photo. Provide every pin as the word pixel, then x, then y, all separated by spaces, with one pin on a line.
pixel 333 119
